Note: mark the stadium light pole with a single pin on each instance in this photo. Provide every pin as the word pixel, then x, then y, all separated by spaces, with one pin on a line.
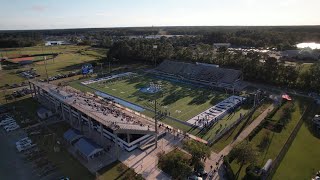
pixel 45 66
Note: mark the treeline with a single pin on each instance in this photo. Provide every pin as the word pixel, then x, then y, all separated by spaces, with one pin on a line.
pixel 281 37
pixel 249 38
pixel 19 39
pixel 255 66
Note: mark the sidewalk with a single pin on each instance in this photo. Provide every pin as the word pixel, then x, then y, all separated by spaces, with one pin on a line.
pixel 146 162
pixel 214 157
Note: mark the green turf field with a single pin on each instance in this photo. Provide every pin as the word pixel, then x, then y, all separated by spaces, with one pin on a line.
pixel 180 100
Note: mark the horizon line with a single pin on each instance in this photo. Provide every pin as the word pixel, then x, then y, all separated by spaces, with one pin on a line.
pixel 119 27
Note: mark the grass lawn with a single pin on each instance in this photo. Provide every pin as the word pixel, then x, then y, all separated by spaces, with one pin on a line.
pixel 305 67
pixel 116 170
pixel 302 156
pixel 276 140
pixel 232 134
pixel 34 50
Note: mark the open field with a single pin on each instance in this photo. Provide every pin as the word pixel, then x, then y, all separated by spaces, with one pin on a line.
pixel 303 154
pixel 276 140
pixel 70 58
pixel 16 52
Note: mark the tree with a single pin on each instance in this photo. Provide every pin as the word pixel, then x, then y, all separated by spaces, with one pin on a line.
pixel 243 154
pixel 198 151
pixel 106 42
pixel 176 164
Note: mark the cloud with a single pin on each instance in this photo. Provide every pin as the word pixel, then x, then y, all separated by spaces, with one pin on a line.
pixel 39 8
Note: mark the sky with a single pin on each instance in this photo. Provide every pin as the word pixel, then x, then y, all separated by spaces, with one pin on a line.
pixel 60 14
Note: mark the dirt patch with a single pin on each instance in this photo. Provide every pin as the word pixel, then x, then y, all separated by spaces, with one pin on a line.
pixel 16 60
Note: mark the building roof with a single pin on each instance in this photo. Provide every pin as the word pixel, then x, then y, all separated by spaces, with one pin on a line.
pixel 87 147
pixel 72 134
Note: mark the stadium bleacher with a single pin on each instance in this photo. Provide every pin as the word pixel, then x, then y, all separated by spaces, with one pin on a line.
pixel 221 77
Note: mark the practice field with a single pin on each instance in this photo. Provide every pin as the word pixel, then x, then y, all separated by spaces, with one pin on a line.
pixel 70 58
pixel 179 100
pixel 16 60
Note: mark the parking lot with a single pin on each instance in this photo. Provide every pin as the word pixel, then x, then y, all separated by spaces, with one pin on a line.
pixel 12 164
pixel 21 158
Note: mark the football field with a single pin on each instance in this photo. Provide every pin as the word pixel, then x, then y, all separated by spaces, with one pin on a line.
pixel 179 100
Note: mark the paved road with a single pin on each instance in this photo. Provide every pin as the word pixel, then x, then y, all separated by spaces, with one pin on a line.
pixel 215 157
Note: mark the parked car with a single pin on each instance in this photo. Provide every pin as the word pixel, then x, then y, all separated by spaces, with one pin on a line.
pixel 194 177
pixel 23 144
pixel 12 128
pixel 24 141
pixel 26 147
pixel 6 122
pixel 7 119
pixel 9 125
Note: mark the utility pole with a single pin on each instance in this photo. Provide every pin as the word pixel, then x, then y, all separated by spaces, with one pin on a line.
pixel 156 122
pixel 52 54
pixel 154 57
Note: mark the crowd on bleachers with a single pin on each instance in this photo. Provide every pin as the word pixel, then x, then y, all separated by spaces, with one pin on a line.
pixel 199 72
pixel 215 113
pixel 104 108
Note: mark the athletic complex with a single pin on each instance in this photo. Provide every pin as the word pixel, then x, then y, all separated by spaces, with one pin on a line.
pixel 194 98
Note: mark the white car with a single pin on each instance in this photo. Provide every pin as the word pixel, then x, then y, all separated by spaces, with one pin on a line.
pixel 26 147
pixel 26 144
pixel 25 140
pixel 5 122
pixel 7 117
pixel 11 124
pixel 12 128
